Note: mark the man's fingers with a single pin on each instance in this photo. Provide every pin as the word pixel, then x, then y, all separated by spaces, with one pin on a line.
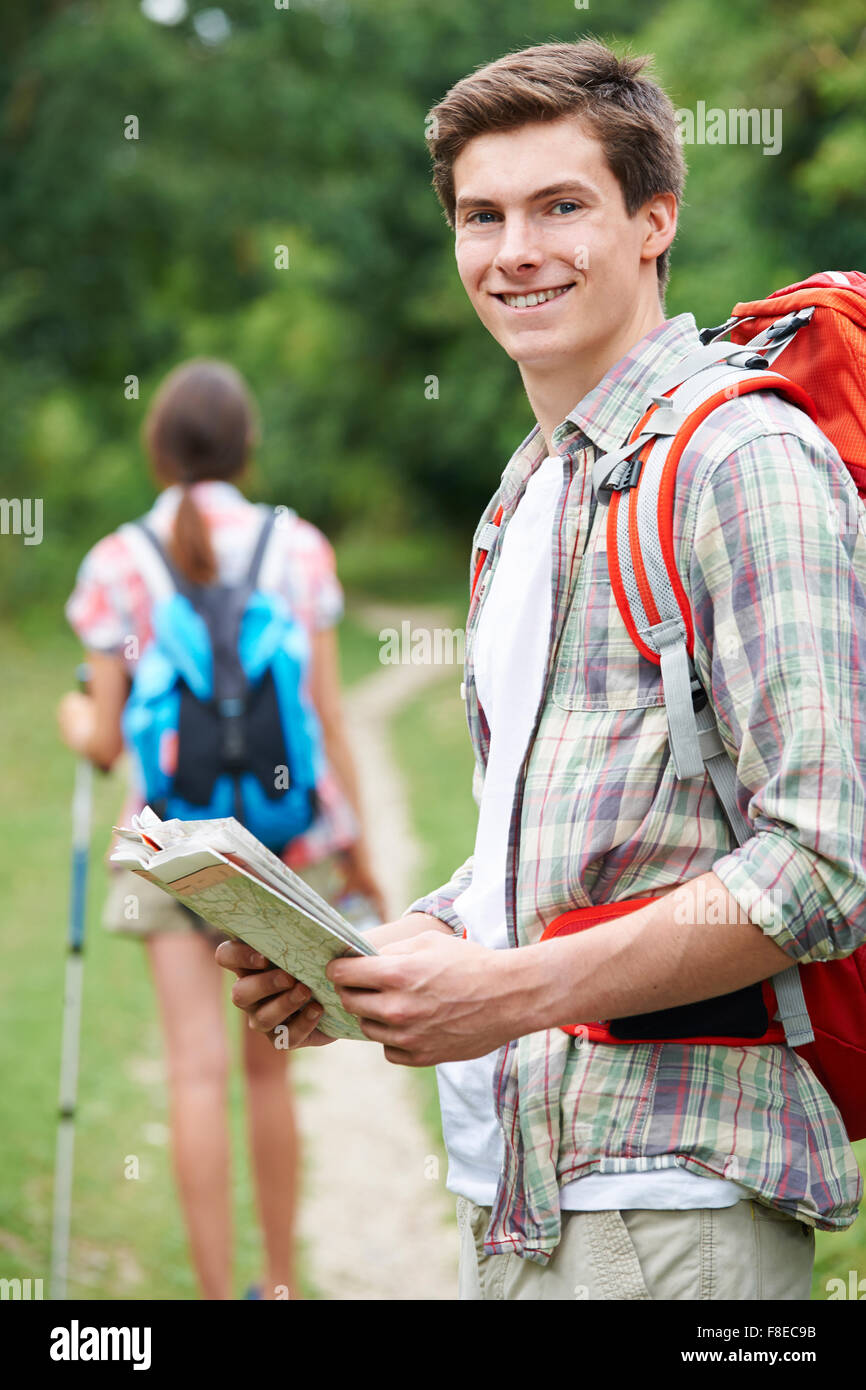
pixel 401 1058
pixel 271 998
pixel 252 990
pixel 265 1017
pixel 366 972
pixel 376 1032
pixel 237 955
pixel 379 1033
pixel 366 1003
pixel 299 1028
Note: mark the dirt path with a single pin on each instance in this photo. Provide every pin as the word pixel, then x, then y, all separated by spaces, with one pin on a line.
pixel 376 1220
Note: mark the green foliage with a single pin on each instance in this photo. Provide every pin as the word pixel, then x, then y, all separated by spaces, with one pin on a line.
pixel 304 129
pixel 121 257
pixel 754 222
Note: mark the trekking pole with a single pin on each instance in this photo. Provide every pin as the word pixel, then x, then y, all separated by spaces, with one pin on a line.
pixel 64 1161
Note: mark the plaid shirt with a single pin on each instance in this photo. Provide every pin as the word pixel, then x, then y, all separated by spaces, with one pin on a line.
pixel 768 539
pixel 111 604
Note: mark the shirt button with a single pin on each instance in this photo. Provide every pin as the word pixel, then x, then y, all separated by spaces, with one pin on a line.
pixel 462 690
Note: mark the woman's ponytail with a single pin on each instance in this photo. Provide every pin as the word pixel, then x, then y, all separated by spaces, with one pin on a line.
pixel 190 546
pixel 201 425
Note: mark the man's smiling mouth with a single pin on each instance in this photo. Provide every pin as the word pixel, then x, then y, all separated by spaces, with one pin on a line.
pixel 534 298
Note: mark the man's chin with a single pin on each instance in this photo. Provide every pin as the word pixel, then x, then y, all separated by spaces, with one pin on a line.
pixel 539 354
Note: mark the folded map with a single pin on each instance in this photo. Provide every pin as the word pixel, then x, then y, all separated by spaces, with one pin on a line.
pixel 223 873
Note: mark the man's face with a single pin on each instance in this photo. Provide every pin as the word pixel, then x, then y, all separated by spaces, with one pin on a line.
pixel 539 210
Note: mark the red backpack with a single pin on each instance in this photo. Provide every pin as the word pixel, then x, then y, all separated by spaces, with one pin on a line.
pixel 815 332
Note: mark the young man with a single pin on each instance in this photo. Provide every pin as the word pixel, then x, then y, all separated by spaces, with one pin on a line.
pixel 659 1170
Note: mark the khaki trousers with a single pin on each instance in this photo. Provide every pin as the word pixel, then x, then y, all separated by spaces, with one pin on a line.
pixel 748 1251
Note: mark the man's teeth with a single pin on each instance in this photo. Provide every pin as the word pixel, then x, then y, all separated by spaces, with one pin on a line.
pixel 526 301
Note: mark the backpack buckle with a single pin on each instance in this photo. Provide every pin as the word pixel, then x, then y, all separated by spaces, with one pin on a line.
pixel 622 477
pixel 748 359
pixel 707 335
pixel 786 327
pixel 630 476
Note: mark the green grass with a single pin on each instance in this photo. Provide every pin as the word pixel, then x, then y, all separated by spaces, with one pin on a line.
pixel 359 649
pixel 432 743
pixel 127 1234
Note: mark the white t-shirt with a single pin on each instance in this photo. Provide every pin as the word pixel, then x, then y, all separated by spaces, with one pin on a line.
pixel 511 651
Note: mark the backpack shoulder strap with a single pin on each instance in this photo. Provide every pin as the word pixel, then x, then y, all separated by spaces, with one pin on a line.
pixel 159 574
pixel 638 487
pixel 787 984
pixel 277 525
pixel 487 538
pixel 162 576
pixel 261 547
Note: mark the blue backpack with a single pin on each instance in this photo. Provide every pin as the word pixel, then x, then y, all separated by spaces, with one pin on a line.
pixel 217 721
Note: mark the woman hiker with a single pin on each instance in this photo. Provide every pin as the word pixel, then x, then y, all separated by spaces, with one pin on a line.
pixel 198 435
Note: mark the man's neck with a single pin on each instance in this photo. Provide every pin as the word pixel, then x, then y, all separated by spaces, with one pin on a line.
pixel 553 393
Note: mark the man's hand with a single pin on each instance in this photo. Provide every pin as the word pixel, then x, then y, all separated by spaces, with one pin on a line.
pixel 432 998
pixel 271 998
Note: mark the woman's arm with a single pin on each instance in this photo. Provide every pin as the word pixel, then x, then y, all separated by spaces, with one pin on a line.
pixel 325 692
pixel 90 724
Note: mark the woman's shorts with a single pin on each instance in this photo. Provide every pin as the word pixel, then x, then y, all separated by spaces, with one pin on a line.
pixel 135 907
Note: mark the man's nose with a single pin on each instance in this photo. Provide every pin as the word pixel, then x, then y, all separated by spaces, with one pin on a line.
pixel 519 245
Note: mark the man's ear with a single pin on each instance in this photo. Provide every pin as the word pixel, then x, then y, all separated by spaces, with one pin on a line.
pixel 659 214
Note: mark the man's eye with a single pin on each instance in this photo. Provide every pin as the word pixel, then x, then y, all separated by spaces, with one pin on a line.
pixel 473 215
pixel 568 203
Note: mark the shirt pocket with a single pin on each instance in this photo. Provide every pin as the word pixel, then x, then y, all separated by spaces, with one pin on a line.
pixel 598 666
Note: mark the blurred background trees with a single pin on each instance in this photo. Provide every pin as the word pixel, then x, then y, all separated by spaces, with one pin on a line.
pixel 303 127
pixel 261 127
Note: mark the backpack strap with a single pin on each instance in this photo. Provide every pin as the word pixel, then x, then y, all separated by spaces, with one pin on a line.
pixel 156 569
pixel 257 560
pixel 161 575
pixel 486 542
pixel 639 496
pixel 640 499
pixel 787 985
pixel 773 340
pixel 638 487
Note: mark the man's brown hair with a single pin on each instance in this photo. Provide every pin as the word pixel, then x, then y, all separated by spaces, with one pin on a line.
pixel 630 115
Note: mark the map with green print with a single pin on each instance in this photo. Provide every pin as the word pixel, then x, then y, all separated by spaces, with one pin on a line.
pixel 220 871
